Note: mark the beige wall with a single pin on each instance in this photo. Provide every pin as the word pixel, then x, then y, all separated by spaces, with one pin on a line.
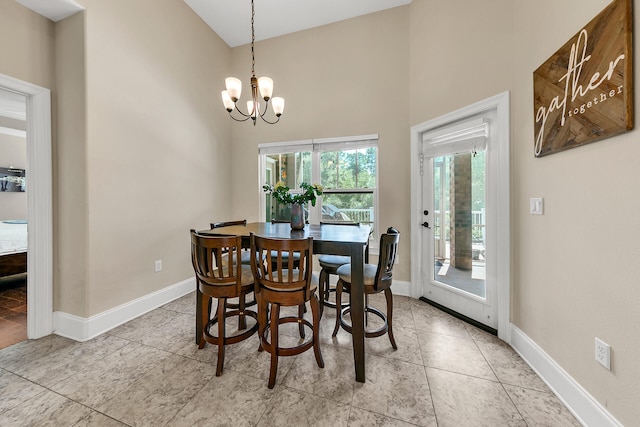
pixel 461 53
pixel 70 169
pixel 575 268
pixel 348 78
pixel 157 145
pixel 13 153
pixel 26 43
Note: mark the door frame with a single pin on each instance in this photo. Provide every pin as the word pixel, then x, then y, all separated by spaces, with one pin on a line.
pixel 39 206
pixel 499 103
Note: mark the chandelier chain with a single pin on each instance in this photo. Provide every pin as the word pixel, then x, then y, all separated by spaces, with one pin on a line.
pixel 253 37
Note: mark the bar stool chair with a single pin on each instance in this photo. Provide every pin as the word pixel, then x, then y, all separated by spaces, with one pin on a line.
pixel 377 278
pixel 329 265
pixel 222 278
pixel 284 286
pixel 246 258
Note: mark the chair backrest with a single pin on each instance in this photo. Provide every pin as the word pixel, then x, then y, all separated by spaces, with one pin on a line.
pixel 209 264
pixel 272 263
pixel 228 223
pixel 386 260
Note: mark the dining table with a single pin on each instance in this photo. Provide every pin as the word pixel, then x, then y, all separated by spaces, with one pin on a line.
pixel 330 239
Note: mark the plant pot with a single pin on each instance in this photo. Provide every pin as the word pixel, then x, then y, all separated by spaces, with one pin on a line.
pixel 297 216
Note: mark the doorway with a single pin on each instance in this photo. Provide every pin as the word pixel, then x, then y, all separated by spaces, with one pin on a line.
pixel 39 205
pixel 460 213
pixel 13 215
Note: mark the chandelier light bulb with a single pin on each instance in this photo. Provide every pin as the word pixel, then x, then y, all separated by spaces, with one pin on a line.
pixel 265 85
pixel 277 104
pixel 234 88
pixel 229 105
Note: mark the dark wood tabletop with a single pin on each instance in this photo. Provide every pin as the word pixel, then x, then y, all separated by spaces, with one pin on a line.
pixel 327 239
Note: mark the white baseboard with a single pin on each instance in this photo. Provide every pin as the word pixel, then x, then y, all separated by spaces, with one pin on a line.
pixel 83 329
pixel 583 406
pixel 400 287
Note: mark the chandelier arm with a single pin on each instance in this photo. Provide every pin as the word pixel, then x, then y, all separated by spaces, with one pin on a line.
pixel 267 121
pixel 239 120
pixel 240 111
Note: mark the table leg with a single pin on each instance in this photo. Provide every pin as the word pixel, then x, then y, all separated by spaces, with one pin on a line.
pixel 357 309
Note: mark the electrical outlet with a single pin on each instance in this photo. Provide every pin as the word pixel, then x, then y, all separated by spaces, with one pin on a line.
pixel 158 265
pixel 603 353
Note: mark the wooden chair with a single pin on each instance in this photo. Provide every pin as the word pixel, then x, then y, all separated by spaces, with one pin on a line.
pixel 287 286
pixel 221 277
pixel 376 279
pixel 329 265
pixel 246 258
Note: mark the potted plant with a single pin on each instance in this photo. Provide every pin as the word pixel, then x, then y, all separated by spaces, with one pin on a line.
pixel 282 194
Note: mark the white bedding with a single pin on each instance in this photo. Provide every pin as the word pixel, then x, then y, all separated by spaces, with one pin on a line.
pixel 13 238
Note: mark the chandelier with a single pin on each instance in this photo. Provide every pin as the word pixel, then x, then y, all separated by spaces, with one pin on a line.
pixel 263 85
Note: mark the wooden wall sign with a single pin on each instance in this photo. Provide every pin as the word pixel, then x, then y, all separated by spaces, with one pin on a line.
pixel 584 92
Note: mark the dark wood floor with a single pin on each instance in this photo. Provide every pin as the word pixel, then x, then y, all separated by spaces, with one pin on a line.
pixel 13 310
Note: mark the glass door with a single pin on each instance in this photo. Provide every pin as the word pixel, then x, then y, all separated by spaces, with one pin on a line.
pixel 455 234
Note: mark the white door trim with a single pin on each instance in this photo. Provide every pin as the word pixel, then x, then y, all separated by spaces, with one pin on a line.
pixel 39 206
pixel 499 103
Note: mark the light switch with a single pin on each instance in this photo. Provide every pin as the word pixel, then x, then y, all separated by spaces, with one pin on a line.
pixel 536 205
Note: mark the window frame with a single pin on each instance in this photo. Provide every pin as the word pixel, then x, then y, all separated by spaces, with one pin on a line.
pixel 317 147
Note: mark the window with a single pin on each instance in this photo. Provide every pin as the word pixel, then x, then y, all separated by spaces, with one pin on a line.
pixel 347 168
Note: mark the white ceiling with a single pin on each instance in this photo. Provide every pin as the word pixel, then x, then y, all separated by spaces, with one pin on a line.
pixel 55 10
pixel 231 19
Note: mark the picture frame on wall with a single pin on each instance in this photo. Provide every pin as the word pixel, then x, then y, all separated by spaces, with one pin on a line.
pixel 12 180
pixel 584 92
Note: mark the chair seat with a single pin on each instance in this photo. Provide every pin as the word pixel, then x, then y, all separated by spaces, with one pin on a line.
pixel 369 273
pixel 333 261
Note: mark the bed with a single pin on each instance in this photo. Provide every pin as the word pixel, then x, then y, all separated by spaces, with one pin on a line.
pixel 13 247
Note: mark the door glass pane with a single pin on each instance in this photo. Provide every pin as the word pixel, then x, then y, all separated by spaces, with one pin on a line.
pixel 459 221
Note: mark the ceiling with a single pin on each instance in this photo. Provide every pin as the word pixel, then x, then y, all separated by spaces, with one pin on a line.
pixel 231 19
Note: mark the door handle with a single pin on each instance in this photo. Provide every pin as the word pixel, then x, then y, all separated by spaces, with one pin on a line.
pixel 425 224
pixel 426 212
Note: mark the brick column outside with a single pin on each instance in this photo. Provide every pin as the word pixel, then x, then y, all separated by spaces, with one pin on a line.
pixel 460 217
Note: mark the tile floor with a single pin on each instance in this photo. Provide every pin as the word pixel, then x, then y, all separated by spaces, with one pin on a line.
pixel 13 309
pixel 149 372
